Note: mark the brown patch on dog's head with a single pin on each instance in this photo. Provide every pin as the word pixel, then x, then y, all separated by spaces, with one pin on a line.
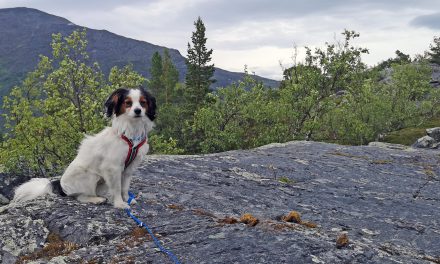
pixel 148 102
pixel 115 103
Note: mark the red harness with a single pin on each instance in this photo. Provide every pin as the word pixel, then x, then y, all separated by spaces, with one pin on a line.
pixel 132 150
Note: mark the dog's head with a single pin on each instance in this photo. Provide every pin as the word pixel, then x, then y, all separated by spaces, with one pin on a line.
pixel 133 103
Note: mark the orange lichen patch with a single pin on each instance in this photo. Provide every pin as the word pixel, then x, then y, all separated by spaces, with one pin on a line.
pixel 228 220
pixel 202 212
pixel 342 241
pixel 249 220
pixel 293 216
pixel 136 237
pixel 309 224
pixel 176 207
pixel 139 233
pixel 55 247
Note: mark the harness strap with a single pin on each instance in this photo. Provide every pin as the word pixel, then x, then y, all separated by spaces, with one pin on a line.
pixel 132 150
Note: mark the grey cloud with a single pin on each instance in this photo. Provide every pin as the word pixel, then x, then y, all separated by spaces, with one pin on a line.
pixel 429 21
pixel 223 13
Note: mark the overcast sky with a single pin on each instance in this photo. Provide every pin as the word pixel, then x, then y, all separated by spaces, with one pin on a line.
pixel 258 33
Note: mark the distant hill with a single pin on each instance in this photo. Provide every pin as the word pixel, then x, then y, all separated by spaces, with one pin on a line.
pixel 26 33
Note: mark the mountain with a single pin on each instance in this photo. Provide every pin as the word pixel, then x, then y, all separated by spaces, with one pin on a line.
pixel 384 198
pixel 26 33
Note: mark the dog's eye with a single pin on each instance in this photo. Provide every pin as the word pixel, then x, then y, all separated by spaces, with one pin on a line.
pixel 128 103
pixel 143 103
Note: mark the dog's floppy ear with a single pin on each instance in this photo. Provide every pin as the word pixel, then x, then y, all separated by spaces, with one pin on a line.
pixel 151 102
pixel 115 101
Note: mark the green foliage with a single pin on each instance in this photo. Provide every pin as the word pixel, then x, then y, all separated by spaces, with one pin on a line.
pixel 199 72
pixel 161 145
pixel 376 108
pixel 401 58
pixel 125 77
pixel 155 83
pixel 165 87
pixel 169 79
pixel 307 94
pixel 434 51
pixel 242 115
pixel 332 96
pixel 409 135
pixel 56 105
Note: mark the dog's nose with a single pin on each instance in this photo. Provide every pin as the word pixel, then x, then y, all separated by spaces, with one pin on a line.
pixel 137 111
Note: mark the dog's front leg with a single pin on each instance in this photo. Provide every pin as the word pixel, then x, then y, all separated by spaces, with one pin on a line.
pixel 126 178
pixel 114 183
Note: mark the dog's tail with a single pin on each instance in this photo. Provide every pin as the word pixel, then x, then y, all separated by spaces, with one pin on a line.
pixel 35 188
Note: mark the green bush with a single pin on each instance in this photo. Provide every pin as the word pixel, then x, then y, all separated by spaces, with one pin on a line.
pixel 49 114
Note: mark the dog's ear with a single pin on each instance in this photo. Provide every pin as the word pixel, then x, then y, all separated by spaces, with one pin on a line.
pixel 115 101
pixel 151 102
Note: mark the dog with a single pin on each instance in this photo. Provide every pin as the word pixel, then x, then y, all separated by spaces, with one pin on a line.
pixel 105 162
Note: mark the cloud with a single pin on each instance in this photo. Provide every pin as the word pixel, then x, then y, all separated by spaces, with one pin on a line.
pixel 259 33
pixel 431 21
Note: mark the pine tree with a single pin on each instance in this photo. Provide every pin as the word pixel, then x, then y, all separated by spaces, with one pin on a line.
pixel 169 78
pixel 199 72
pixel 155 84
pixel 434 51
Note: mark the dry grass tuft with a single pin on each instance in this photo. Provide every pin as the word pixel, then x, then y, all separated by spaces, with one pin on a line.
pixel 228 220
pixel 55 247
pixel 249 220
pixel 293 216
pixel 309 224
pixel 177 207
pixel 342 240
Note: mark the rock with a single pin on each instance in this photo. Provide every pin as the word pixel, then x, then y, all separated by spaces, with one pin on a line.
pixel 425 142
pixel 389 146
pixel 434 133
pixel 8 182
pixel 3 200
pixel 435 77
pixel 388 210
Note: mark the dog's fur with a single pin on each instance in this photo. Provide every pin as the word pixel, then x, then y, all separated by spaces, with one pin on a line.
pixel 98 172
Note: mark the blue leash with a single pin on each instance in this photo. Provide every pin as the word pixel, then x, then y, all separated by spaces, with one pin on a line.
pixel 141 224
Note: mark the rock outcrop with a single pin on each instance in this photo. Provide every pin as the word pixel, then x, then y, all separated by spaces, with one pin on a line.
pixel 299 202
pixel 431 140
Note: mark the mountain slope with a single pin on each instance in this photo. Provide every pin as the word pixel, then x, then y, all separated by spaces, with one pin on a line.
pixel 26 33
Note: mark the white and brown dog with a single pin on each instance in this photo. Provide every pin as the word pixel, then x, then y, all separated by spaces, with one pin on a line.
pixel 105 162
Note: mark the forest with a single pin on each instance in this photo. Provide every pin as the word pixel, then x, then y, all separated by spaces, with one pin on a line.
pixel 330 96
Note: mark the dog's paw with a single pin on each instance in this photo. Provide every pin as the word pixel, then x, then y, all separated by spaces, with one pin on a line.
pixel 133 201
pixel 121 205
pixel 98 200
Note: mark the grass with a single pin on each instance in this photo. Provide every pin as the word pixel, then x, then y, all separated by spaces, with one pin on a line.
pixel 286 180
pixel 408 136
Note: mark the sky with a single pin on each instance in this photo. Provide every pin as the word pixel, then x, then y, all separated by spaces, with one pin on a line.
pixel 259 34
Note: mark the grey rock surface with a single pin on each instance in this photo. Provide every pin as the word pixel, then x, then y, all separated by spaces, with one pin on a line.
pixel 435 79
pixel 3 199
pixel 434 133
pixel 425 142
pixel 385 199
